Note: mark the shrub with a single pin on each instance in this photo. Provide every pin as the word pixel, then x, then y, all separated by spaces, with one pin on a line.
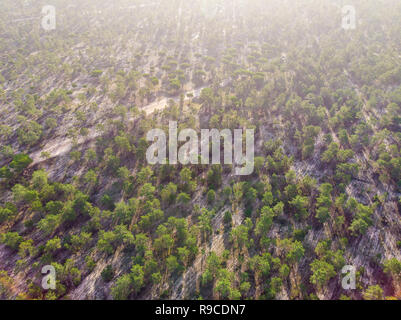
pixel 108 273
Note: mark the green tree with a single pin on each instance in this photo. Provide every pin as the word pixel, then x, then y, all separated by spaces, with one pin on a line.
pixel 122 288
pixel 107 273
pixel 300 205
pixel 373 293
pixel 39 180
pixel 169 193
pixel 172 264
pixel 11 240
pixel 137 278
pixel 214 176
pixel 29 133
pixel 20 162
pixel 52 245
pixel 322 272
pixel 393 267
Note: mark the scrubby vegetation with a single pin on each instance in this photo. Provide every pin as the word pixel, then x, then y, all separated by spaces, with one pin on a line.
pixel 76 190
